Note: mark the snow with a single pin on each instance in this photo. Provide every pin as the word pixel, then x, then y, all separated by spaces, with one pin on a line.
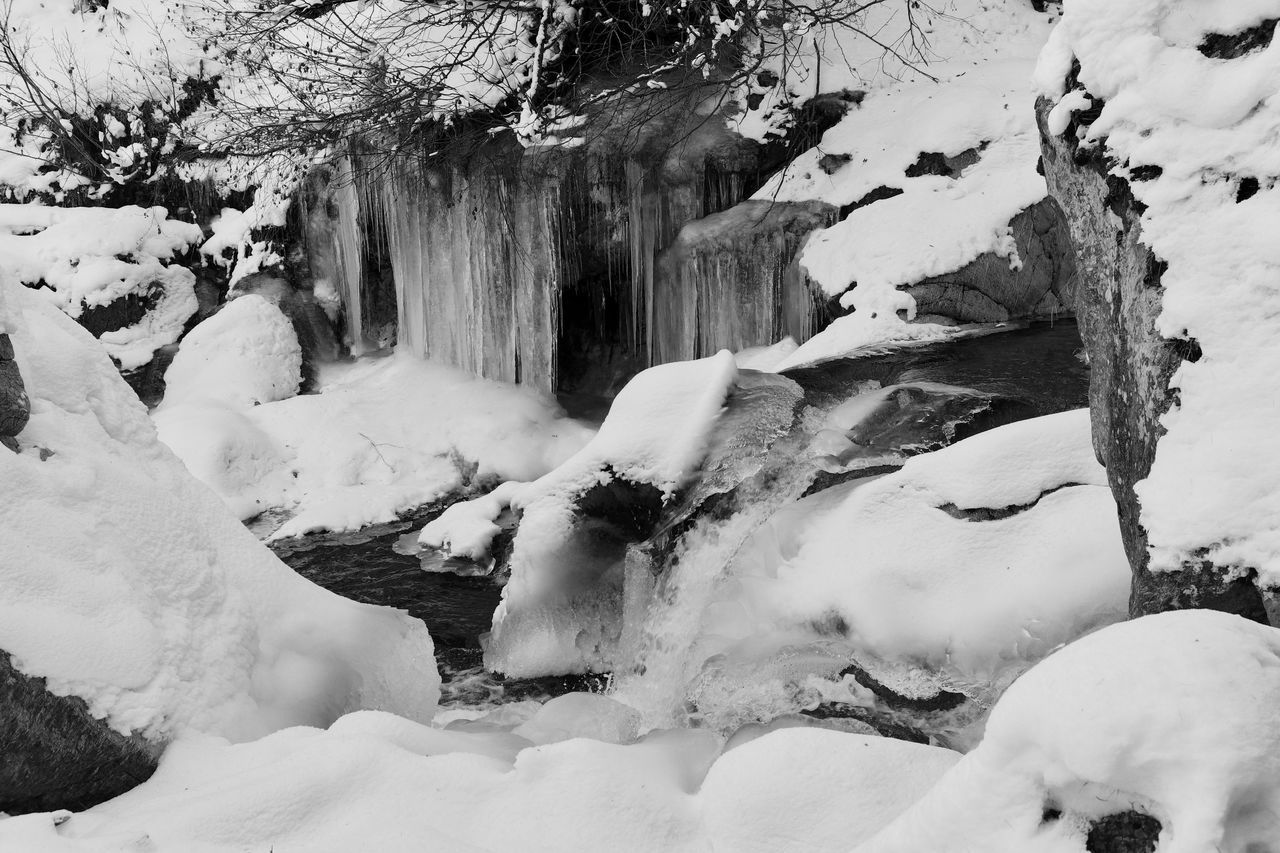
pixel 973 599
pixel 878 571
pixel 382 436
pixel 375 782
pixel 655 434
pixel 89 257
pixel 245 355
pixel 1206 123
pixel 1172 714
pixel 967 94
pixel 125 582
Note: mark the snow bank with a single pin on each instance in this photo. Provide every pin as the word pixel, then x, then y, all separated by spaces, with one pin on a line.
pixel 90 257
pixel 125 582
pixel 956 572
pixel 970 598
pixel 382 436
pixel 967 100
pixel 1208 124
pixel 376 782
pixel 1172 714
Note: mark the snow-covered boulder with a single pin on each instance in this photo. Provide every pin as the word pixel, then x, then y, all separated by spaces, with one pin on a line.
pixel 112 269
pixel 1171 715
pixel 1156 118
pixel 126 586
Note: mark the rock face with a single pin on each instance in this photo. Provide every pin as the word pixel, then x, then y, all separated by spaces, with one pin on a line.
pixel 989 290
pixel 1117 303
pixel 15 408
pixel 56 754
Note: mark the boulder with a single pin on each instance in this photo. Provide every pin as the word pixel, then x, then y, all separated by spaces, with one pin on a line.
pixel 57 755
pixel 990 290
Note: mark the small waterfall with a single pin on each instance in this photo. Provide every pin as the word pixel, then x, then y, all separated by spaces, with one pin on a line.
pixel 664 599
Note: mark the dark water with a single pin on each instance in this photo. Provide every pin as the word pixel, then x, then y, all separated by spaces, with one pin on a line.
pixel 1034 370
pixel 364 566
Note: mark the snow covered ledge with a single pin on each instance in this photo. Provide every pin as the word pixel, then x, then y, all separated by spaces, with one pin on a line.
pixel 1157 119
pixel 134 604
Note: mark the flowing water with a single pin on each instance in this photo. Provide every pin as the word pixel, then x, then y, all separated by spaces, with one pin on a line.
pixel 1035 371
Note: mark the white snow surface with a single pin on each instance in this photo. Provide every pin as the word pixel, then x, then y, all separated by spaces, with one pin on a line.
pixel 381 436
pixel 90 257
pixel 1171 714
pixel 925 597
pixel 245 355
pixel 125 582
pixel 377 782
pixel 971 94
pixel 1207 123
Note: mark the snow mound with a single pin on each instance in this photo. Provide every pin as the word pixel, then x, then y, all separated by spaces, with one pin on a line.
pixel 84 258
pixel 125 582
pixel 957 572
pixel 1208 124
pixel 244 355
pixel 382 436
pixel 1172 715
pixel 376 782
pixel 918 581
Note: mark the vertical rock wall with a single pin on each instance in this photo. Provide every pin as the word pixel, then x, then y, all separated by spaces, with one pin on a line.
pixel 1118 301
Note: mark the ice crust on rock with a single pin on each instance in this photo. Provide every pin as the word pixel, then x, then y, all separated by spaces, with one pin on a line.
pixel 125 582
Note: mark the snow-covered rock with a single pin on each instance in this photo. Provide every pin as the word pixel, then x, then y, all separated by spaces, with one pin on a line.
pixel 125 583
pixel 87 260
pixel 1172 715
pixel 1157 119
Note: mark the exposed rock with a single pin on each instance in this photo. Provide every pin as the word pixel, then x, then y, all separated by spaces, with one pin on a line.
pixel 1118 301
pixel 989 290
pixel 56 754
pixel 15 407
pixel 128 310
pixel 1126 832
pixel 1233 45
